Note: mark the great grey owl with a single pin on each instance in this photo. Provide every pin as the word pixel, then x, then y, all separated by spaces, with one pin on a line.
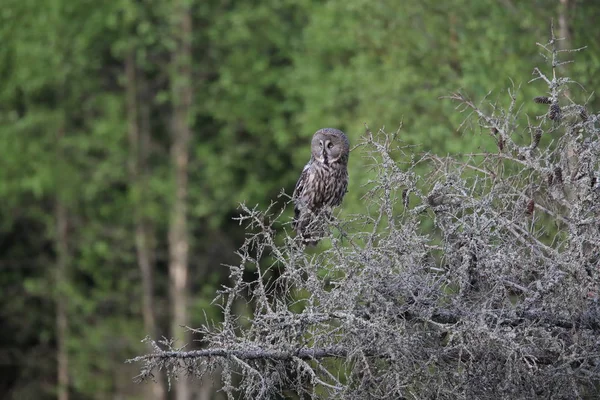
pixel 322 184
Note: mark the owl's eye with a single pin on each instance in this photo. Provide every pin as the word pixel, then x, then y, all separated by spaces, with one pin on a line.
pixel 329 145
pixel 320 143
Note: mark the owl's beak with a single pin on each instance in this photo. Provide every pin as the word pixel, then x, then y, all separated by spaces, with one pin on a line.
pixel 324 155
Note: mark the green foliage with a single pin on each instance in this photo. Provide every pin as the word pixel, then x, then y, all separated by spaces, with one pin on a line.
pixel 267 74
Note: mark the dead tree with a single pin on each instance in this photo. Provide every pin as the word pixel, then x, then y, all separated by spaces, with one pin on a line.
pixel 466 277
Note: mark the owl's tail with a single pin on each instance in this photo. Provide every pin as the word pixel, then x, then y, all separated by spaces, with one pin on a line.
pixel 310 226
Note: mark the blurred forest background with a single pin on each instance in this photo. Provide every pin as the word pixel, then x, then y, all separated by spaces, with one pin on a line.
pixel 130 130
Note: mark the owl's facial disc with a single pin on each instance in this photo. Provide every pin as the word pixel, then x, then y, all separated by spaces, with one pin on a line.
pixel 329 146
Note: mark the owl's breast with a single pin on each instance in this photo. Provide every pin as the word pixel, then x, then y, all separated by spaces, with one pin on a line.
pixel 333 183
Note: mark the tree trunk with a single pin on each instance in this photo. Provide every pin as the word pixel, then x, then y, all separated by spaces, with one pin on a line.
pixel 564 33
pixel 454 43
pixel 137 172
pixel 60 283
pixel 563 24
pixel 178 234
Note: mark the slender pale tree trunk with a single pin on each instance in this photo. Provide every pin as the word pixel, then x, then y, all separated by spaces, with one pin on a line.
pixel 563 23
pixel 61 281
pixel 178 231
pixel 564 32
pixel 137 172
pixel 454 43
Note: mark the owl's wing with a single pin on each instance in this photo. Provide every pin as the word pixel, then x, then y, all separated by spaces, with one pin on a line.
pixel 298 193
pixel 301 182
pixel 341 190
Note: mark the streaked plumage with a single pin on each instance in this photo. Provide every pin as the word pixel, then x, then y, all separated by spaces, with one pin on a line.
pixel 322 184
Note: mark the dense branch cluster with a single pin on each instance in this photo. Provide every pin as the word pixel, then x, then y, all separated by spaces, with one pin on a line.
pixel 476 279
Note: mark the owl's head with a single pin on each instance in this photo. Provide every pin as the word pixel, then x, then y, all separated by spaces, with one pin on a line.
pixel 330 146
